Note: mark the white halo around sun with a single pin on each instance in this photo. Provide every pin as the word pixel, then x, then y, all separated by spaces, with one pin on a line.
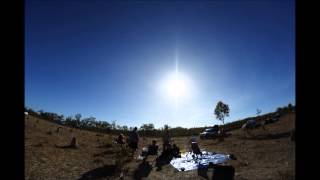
pixel 176 86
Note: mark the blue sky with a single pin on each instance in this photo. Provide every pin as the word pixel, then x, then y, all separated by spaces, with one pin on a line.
pixel 111 60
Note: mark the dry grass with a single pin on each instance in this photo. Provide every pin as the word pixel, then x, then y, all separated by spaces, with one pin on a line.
pixel 265 154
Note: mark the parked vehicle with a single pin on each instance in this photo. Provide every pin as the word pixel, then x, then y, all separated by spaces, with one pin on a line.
pixel 250 124
pixel 275 118
pixel 210 133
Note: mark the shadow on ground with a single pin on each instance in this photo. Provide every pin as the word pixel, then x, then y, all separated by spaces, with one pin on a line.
pixel 218 172
pixel 107 152
pixel 66 147
pixel 142 171
pixel 203 172
pixel 161 161
pixel 101 172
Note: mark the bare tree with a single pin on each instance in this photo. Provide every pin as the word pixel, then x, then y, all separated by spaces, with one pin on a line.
pixel 258 112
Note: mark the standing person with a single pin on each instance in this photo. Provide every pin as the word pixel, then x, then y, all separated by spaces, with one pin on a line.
pixel 133 140
pixel 166 139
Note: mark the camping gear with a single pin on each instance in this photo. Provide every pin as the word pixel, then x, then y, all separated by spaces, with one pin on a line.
pixel 187 162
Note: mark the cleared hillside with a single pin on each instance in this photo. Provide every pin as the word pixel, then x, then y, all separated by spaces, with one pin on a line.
pixel 265 154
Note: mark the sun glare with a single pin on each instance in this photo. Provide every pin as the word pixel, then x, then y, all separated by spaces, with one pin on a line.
pixel 176 86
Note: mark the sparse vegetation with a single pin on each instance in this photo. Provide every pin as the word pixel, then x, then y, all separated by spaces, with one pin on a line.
pixel 148 130
pixel 265 153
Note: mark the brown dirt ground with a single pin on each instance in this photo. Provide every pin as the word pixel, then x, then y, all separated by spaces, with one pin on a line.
pixel 265 154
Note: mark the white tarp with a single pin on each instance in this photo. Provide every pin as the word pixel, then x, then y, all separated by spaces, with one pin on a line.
pixel 187 162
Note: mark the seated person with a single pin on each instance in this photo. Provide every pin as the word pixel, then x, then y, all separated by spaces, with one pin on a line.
pixel 195 148
pixel 167 151
pixel 120 139
pixel 175 151
pixel 165 157
pixel 153 148
pixel 144 152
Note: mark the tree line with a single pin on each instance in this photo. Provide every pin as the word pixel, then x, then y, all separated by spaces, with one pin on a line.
pixel 147 130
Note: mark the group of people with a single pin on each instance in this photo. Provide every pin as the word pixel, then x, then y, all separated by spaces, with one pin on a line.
pixel 169 149
pixel 132 140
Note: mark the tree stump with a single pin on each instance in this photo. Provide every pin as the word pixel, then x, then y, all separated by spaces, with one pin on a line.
pixel 57 131
pixel 73 143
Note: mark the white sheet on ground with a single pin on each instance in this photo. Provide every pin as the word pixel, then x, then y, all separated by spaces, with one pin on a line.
pixel 187 162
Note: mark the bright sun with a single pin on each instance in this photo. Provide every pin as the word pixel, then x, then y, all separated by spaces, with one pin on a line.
pixel 176 86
